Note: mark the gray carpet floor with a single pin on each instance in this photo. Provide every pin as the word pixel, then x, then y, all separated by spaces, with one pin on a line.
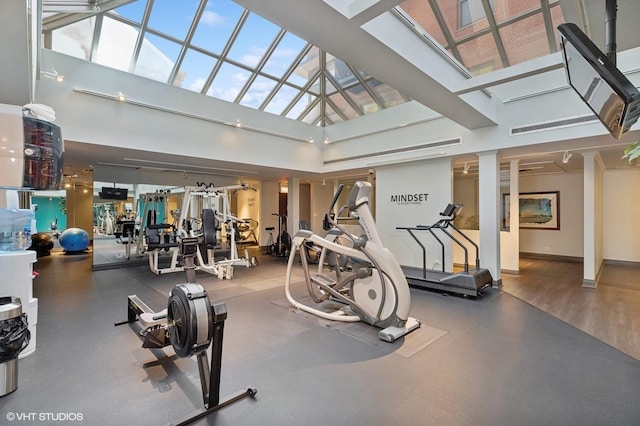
pixel 492 361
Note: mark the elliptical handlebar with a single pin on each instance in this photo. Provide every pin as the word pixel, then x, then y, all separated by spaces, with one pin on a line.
pixel 329 217
pixel 335 198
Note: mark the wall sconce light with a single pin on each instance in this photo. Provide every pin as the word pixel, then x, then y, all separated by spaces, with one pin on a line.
pixel 284 188
pixel 566 157
pixel 465 170
pixel 121 97
pixel 238 123
pixel 310 139
pixel 326 141
pixel 53 74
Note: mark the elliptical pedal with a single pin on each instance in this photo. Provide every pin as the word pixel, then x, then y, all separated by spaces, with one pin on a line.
pixel 323 280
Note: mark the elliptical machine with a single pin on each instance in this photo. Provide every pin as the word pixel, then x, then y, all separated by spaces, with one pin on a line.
pixel 356 271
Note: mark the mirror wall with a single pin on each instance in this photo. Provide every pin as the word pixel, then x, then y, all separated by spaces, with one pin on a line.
pixel 127 200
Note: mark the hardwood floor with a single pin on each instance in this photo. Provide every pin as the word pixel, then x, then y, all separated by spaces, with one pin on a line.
pixel 610 312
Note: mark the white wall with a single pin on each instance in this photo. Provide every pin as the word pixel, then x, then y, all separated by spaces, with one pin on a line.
pixel 161 118
pixel 621 230
pixel 268 205
pixel 321 196
pixel 248 206
pixel 569 239
pixel 422 177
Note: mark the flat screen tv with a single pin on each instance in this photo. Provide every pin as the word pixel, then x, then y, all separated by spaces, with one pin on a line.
pixel 609 94
pixel 113 193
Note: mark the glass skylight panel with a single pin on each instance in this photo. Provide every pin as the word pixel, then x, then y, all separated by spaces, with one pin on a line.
pixel 451 11
pixel 306 69
pixel 363 99
pixel 332 115
pixel 238 38
pixel 157 58
pixel 218 21
pixel 228 82
pixel 340 71
pixel 470 11
pixel 283 56
pixel 329 88
pixel 117 43
pixel 421 12
pixel 525 39
pixel 255 37
pixel 312 116
pixel 258 92
pixel 299 107
pixel 195 70
pixel 519 29
pixel 173 17
pixel 557 18
pixel 282 99
pixel 132 11
pixel 343 106
pixel 389 96
pixel 75 39
pixel 480 55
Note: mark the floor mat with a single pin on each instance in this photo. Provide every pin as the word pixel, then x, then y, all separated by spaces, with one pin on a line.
pixel 405 347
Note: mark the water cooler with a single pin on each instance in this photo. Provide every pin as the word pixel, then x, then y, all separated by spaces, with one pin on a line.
pixel 31 158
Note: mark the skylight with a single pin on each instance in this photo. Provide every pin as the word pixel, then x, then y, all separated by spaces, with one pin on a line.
pixel 487 35
pixel 223 50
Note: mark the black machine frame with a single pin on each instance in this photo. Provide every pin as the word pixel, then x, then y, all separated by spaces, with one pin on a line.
pixel 183 330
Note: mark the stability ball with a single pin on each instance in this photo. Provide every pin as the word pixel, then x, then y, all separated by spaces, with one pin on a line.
pixel 74 239
pixel 41 243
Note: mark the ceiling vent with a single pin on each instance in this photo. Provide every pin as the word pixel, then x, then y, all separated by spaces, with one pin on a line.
pixel 438 144
pixel 552 125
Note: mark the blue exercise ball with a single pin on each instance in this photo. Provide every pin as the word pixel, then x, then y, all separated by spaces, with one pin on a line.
pixel 74 239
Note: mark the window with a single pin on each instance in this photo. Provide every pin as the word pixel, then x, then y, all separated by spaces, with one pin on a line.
pixel 470 11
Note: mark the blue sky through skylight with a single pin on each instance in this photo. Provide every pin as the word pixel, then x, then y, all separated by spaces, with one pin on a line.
pixel 232 54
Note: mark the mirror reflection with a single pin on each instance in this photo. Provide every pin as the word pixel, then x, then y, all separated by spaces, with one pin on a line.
pixel 122 212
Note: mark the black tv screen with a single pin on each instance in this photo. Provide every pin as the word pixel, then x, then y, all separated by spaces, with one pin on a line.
pixel 609 94
pixel 113 193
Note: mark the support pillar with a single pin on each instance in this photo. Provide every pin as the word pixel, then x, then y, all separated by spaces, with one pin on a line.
pixel 489 206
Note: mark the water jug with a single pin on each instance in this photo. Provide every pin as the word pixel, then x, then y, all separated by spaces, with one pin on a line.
pixel 15 229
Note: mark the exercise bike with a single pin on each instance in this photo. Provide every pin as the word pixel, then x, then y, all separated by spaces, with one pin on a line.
pixel 190 324
pixel 282 245
pixel 358 272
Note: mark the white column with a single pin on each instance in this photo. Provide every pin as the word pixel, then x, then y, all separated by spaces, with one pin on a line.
pixel 510 258
pixel 293 206
pixel 489 205
pixel 592 219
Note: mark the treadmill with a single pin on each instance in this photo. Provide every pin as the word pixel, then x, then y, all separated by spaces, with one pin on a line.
pixel 468 282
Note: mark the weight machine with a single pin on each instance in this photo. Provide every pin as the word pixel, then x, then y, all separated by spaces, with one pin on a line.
pixel 212 204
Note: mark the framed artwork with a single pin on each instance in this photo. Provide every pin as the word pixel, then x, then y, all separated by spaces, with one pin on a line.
pixel 536 210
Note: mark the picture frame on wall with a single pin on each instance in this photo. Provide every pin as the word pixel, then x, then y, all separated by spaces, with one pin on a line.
pixel 536 210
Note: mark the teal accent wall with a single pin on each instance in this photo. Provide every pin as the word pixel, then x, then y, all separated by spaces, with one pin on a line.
pixel 47 212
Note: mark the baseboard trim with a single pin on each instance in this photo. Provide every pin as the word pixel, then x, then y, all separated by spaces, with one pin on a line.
pixel 552 257
pixel 622 263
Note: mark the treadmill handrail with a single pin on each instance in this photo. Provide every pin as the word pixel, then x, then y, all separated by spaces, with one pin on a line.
pixel 443 229
pixel 424 250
